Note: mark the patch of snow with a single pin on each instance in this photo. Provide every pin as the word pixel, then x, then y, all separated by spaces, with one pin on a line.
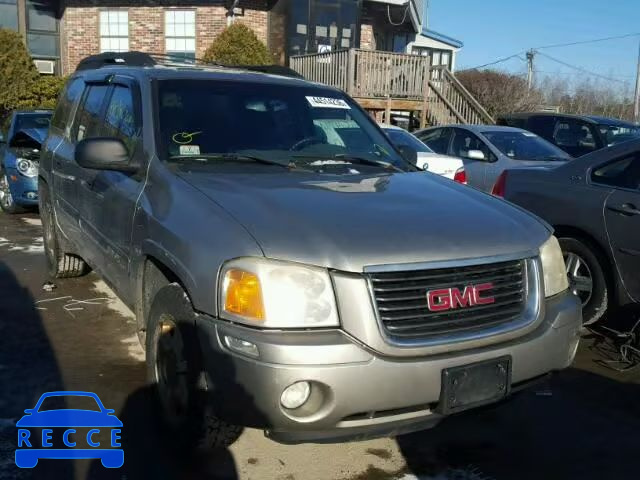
pixel 37 245
pixel 134 349
pixel 36 222
pixel 114 303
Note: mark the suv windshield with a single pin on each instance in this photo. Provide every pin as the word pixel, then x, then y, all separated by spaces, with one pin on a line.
pixel 218 121
pixel 524 146
pixel 401 137
pixel 32 120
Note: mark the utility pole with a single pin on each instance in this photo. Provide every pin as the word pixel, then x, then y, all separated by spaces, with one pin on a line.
pixel 636 103
pixel 530 56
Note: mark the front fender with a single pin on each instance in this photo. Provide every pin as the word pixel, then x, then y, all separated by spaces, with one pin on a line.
pixel 151 248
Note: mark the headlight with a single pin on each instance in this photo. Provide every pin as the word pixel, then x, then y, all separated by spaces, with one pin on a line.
pixel 275 294
pixel 27 167
pixel 555 272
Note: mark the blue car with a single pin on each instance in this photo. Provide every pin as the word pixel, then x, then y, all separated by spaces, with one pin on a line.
pixel 36 444
pixel 20 160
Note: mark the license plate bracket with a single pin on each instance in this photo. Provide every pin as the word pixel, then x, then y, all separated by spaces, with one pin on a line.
pixel 474 385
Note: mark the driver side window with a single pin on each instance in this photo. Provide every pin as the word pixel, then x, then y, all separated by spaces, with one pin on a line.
pixel 464 142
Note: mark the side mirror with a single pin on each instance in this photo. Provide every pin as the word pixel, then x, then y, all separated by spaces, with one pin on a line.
pixel 104 154
pixel 476 155
pixel 409 154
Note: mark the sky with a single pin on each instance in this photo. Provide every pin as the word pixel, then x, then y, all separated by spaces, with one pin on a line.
pixel 494 29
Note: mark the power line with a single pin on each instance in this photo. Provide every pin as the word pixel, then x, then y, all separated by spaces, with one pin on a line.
pixel 584 42
pixel 548 72
pixel 516 55
pixel 580 69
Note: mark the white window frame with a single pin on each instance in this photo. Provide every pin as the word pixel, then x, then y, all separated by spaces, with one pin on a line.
pixel 114 30
pixel 180 32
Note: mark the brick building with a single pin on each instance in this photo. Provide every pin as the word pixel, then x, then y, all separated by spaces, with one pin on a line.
pixel 59 33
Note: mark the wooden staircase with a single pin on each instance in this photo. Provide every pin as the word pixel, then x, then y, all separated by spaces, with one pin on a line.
pixel 385 81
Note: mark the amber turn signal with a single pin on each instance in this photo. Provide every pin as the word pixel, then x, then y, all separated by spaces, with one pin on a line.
pixel 243 295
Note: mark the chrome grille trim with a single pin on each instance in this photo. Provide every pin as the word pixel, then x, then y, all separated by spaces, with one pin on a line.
pixel 399 300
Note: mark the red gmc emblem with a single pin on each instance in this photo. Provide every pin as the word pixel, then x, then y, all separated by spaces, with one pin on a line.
pixel 453 298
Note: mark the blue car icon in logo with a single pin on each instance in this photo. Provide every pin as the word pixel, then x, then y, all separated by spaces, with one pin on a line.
pixel 33 445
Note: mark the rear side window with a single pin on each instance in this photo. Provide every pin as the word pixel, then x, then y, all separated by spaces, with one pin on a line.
pixel 621 173
pixel 63 115
pixel 120 118
pixel 87 121
pixel 437 140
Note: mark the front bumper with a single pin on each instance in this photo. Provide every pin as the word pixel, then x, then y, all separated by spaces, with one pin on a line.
pixel 358 393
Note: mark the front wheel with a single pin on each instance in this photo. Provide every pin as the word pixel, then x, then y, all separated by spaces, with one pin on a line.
pixel 587 278
pixel 174 366
pixel 7 203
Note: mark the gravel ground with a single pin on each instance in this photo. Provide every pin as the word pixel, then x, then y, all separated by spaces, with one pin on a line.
pixel 583 424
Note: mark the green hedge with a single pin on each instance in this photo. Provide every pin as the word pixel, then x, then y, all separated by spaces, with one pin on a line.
pixel 21 86
pixel 238 45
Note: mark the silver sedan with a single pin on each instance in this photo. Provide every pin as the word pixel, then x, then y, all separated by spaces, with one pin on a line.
pixel 488 150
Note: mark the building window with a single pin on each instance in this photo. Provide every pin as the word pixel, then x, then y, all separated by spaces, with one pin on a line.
pixel 9 14
pixel 180 34
pixel 114 31
pixel 42 29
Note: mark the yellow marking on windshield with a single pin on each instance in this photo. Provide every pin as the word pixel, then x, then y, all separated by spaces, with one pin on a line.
pixel 184 138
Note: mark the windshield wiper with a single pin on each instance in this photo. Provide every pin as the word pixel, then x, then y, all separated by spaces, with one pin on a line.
pixel 233 157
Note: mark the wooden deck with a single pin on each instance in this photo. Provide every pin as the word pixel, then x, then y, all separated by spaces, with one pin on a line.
pixel 385 81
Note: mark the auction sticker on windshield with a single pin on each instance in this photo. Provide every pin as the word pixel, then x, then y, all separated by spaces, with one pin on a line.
pixel 327 102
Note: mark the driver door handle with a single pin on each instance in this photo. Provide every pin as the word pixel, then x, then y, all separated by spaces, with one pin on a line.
pixel 628 209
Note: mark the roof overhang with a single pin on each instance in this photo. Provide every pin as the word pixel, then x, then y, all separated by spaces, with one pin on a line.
pixel 440 38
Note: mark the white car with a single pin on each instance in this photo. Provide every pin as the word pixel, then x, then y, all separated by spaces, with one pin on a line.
pixel 450 167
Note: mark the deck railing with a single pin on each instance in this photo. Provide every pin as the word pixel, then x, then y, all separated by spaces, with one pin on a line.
pixel 367 74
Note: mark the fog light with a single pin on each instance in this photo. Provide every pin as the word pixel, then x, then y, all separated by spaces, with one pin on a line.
pixel 32 195
pixel 295 395
pixel 242 346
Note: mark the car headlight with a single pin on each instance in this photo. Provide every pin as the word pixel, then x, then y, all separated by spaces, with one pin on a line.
pixel 27 167
pixel 276 294
pixel 553 268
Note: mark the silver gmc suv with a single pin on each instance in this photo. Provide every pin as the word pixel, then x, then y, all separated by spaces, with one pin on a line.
pixel 290 270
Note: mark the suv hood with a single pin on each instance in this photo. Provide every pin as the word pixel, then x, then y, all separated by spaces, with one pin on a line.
pixel 348 222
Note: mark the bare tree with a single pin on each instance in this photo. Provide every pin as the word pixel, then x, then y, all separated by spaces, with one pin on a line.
pixel 500 92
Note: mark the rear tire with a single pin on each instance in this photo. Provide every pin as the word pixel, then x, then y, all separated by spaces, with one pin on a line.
pixel 174 365
pixel 7 203
pixel 59 264
pixel 587 277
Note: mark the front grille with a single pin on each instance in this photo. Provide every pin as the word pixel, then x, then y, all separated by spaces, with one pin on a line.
pixel 401 299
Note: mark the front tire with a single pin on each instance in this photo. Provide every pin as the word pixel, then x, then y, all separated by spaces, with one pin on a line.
pixel 59 264
pixel 7 203
pixel 174 365
pixel 587 277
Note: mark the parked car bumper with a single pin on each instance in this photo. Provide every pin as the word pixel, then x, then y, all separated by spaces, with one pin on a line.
pixel 357 393
pixel 24 190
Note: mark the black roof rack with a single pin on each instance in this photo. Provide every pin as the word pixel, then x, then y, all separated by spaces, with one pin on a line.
pixel 143 59
pixel 125 59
